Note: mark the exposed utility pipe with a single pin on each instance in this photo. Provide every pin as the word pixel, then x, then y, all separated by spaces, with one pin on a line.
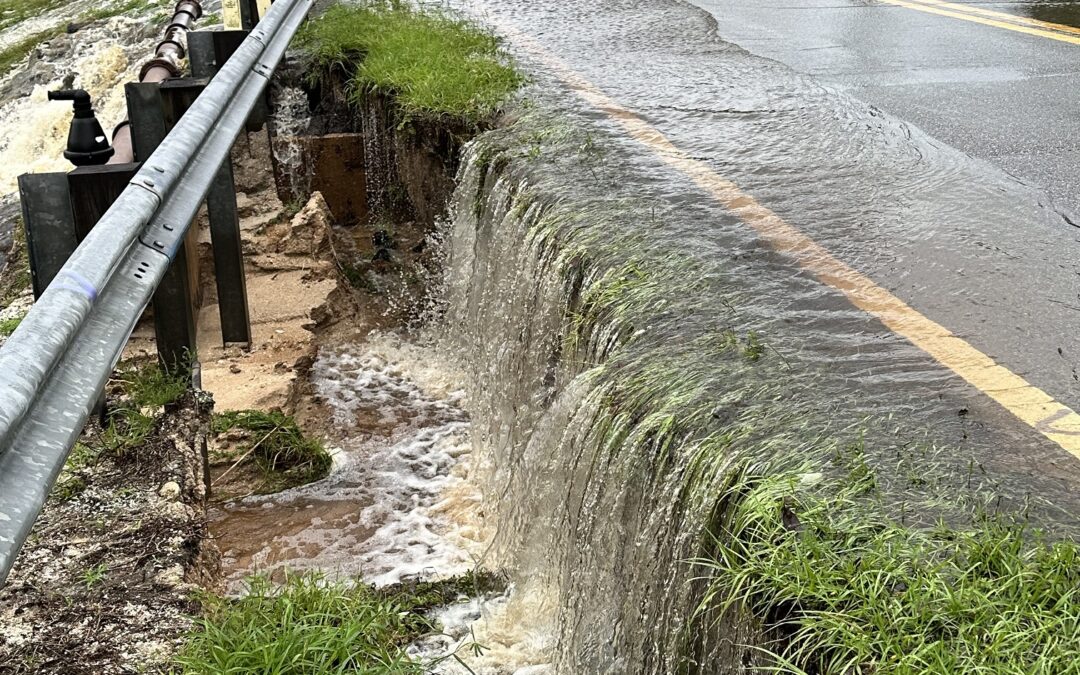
pixel 165 64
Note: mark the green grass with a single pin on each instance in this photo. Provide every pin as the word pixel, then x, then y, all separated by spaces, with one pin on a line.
pixel 118 9
pixel 848 589
pixel 15 275
pixel 309 626
pixel 8 326
pixel 16 53
pixel 434 64
pixel 845 562
pixel 146 389
pixel 14 12
pixel 17 11
pixel 282 451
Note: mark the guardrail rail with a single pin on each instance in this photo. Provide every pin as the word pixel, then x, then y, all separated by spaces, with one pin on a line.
pixel 57 362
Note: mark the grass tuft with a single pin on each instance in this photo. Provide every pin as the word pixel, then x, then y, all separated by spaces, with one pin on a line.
pixel 432 62
pixel 307 626
pixel 282 451
pixel 8 326
pixel 846 589
pixel 146 388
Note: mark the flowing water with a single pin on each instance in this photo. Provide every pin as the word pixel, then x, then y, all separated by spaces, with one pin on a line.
pixel 614 345
pixel 100 58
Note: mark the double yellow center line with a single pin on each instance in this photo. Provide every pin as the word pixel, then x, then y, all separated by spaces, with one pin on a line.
pixel 989 17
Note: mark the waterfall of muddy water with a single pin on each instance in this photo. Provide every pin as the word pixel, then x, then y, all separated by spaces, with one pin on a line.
pixel 290 118
pixel 628 346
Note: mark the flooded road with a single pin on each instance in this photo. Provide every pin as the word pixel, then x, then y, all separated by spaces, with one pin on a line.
pixel 968 246
pixel 689 256
pixel 987 78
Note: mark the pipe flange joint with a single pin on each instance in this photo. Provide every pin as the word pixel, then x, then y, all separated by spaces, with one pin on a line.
pixel 181 49
pixel 159 63
pixel 183 5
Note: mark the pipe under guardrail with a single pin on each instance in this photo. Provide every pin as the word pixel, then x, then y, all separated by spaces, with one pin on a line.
pixel 56 363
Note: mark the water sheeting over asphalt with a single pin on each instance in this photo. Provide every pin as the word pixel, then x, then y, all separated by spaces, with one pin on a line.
pixel 628 341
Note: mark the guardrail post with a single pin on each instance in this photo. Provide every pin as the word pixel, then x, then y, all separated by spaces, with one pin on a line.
pixel 49 223
pixel 175 298
pixel 207 49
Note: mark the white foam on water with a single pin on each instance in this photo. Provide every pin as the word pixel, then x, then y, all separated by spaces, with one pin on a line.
pixel 398 505
pixel 507 634
pixel 399 446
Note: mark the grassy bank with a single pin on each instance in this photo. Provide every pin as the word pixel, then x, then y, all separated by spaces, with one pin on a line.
pixel 741 507
pixel 844 587
pixel 314 626
pixel 434 64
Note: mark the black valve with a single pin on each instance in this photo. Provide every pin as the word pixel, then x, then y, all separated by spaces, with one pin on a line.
pixel 86 144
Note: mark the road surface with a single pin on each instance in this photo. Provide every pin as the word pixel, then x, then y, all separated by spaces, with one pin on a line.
pixel 999 81
pixel 914 164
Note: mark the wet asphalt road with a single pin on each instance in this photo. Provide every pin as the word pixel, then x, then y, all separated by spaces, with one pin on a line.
pixel 926 218
pixel 1009 98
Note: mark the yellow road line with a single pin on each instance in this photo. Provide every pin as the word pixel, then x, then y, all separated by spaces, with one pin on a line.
pixel 940 10
pixel 1027 402
pixel 1010 18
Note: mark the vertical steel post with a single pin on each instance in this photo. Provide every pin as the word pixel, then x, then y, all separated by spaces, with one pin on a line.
pixel 173 303
pixel 205 55
pixel 49 223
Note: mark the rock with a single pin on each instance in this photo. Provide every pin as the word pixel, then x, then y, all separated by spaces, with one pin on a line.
pixel 170 576
pixel 170 491
pixel 309 230
pixel 234 369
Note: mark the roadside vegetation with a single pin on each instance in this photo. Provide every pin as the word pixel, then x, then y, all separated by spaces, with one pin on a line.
pixel 139 393
pixel 283 455
pixel 315 626
pixel 804 538
pixel 434 63
pixel 844 587
pixel 15 12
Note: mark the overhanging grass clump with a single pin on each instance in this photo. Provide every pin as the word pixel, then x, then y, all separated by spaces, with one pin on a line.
pixel 433 63
pixel 848 589
pixel 284 454
pixel 682 390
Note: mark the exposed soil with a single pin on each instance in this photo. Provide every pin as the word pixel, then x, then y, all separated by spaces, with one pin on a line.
pixel 105 582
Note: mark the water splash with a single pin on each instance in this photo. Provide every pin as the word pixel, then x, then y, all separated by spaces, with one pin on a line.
pixel 290 118
pixel 101 60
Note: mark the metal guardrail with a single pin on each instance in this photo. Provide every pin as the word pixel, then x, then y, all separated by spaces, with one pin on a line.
pixel 58 361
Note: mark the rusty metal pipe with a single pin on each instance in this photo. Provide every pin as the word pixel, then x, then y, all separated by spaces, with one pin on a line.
pixel 165 64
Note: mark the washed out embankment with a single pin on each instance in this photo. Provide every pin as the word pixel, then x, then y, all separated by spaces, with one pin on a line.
pixel 691 444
